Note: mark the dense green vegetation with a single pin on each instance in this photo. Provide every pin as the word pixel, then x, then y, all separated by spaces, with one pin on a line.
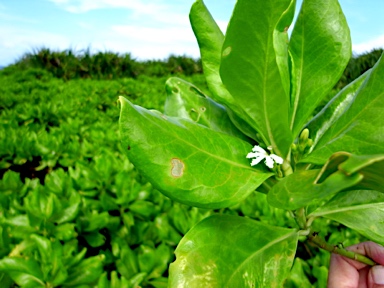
pixel 74 212
pixel 70 64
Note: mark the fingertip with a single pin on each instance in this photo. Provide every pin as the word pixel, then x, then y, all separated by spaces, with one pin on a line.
pixel 376 277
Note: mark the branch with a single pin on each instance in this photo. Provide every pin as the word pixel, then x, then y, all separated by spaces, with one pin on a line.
pixel 319 242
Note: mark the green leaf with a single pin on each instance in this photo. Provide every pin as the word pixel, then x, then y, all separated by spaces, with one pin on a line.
pixel 127 264
pixel 185 100
pixel 370 167
pixel 143 208
pixel 281 41
pixel 187 161
pixel 87 271
pixel 333 110
pixel 94 239
pixel 232 251
pixel 342 171
pixel 252 74
pixel 146 258
pixel 360 130
pixel 210 40
pixel 320 47
pixel 297 277
pixel 361 210
pixel 25 272
pixel 302 188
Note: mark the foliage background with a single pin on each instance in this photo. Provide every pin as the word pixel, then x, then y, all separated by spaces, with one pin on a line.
pixel 74 212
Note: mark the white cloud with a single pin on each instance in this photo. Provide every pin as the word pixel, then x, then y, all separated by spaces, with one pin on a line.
pixel 15 42
pixel 139 6
pixel 367 46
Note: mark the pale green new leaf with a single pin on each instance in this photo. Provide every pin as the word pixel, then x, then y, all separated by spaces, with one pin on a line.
pixel 333 110
pixel 186 161
pixel 210 39
pixel 320 47
pixel 185 100
pixel 252 74
pixel 361 210
pixel 360 130
pixel 231 251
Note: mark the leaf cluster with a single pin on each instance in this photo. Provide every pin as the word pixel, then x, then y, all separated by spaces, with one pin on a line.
pixel 73 210
pixel 265 89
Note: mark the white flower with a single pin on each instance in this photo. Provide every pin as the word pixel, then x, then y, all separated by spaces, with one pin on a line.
pixel 260 154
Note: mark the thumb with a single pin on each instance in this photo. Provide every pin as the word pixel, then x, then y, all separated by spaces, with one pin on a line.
pixel 376 277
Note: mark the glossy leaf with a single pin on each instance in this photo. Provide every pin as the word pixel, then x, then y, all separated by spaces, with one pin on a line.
pixel 333 110
pixel 280 42
pixel 251 73
pixel 301 188
pixel 360 130
pixel 370 167
pixel 232 251
pixel 87 271
pixel 342 171
pixel 210 39
pixel 185 100
pixel 361 210
pixel 25 272
pixel 186 161
pixel 320 47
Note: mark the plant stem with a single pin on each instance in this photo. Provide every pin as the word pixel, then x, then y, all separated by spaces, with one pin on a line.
pixel 287 169
pixel 301 218
pixel 319 242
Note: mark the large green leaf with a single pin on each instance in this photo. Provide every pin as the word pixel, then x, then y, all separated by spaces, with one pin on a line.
pixel 333 110
pixel 186 161
pixel 187 101
pixel 361 210
pixel 252 74
pixel 301 188
pixel 231 251
pixel 320 47
pixel 360 130
pixel 210 40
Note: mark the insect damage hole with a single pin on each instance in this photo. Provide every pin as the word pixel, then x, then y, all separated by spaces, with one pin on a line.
pixel 177 168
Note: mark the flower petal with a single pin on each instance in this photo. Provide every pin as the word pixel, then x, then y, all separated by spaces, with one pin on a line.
pixel 269 162
pixel 257 148
pixel 257 160
pixel 276 158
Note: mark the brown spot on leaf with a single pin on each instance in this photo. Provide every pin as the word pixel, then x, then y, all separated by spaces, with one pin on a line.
pixel 177 168
pixel 129 147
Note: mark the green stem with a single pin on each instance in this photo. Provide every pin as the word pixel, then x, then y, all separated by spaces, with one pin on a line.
pixel 319 242
pixel 301 218
pixel 287 169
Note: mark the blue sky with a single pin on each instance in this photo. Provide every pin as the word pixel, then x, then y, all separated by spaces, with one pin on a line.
pixel 148 29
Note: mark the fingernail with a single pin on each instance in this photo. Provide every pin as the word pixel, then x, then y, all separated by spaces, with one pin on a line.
pixel 378 274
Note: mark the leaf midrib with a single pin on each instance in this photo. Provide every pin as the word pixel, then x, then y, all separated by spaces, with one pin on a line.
pixel 270 244
pixel 346 209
